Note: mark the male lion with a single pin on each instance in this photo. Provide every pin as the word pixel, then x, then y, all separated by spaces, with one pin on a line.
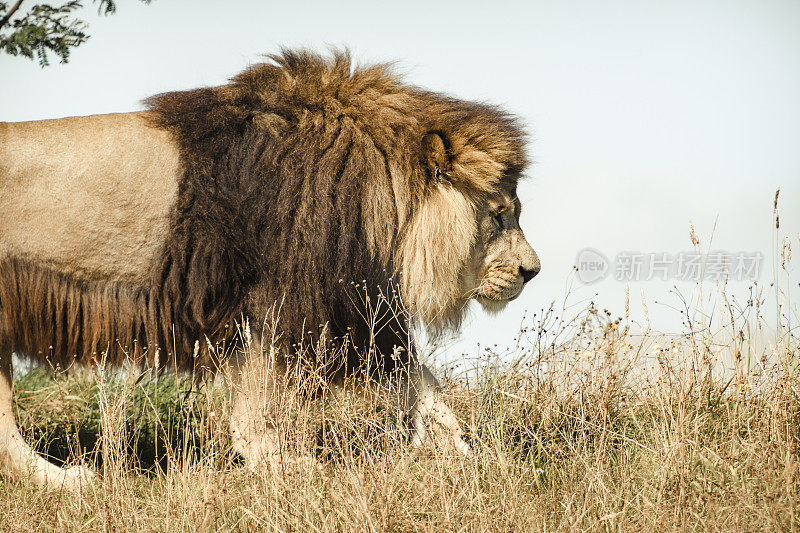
pixel 305 184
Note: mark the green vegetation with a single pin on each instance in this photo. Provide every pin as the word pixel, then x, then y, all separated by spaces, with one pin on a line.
pixel 45 29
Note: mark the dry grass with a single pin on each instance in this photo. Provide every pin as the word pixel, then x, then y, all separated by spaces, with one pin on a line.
pixel 584 426
pixel 603 431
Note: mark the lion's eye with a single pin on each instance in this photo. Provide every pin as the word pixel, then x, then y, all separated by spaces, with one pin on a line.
pixel 498 220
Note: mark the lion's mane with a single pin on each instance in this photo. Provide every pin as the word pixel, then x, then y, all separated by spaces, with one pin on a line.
pixel 306 193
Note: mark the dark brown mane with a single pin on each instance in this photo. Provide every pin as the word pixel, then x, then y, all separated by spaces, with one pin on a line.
pixel 298 178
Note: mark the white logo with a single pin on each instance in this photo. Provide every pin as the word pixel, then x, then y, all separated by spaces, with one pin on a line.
pixel 591 265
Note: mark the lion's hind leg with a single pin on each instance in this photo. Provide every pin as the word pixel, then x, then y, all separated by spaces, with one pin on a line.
pixel 16 456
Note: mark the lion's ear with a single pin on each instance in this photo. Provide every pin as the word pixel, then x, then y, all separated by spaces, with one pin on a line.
pixel 436 156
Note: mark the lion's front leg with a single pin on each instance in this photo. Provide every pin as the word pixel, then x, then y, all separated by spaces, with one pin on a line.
pixel 427 410
pixel 256 390
pixel 248 384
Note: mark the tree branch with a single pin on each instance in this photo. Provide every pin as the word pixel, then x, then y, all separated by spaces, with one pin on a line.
pixel 10 13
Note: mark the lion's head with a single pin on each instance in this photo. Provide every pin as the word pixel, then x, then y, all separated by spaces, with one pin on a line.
pixel 464 244
pixel 465 240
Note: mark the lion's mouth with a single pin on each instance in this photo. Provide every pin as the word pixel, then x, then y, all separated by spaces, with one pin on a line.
pixel 495 292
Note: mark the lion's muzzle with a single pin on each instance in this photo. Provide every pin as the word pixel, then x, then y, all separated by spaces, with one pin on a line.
pixel 530 266
pixel 508 269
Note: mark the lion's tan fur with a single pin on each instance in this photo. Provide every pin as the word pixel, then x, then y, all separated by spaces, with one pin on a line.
pixel 89 196
pixel 436 279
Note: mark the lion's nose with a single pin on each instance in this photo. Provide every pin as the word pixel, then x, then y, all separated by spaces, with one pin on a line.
pixel 527 274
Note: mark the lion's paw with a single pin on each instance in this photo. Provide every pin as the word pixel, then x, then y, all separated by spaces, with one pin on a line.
pixel 295 465
pixel 74 478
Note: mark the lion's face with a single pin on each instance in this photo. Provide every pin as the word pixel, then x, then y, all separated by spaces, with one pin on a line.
pixel 502 261
pixel 464 241
pixel 459 248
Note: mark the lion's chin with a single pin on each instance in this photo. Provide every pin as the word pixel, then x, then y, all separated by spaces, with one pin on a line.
pixel 496 301
pixel 494 306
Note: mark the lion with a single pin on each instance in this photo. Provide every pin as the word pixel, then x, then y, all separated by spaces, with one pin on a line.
pixel 306 179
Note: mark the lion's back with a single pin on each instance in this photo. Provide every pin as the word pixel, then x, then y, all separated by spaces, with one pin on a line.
pixel 88 195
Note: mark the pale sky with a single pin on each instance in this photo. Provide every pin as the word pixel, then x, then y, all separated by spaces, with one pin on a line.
pixel 643 116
